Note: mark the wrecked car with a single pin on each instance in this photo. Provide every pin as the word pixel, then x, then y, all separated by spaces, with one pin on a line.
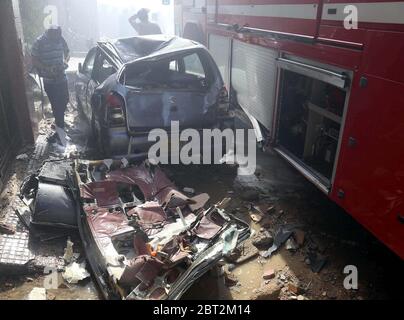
pixel 128 87
pixel 143 238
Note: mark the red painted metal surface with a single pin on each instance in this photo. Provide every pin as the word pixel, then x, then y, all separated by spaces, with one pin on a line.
pixel 371 172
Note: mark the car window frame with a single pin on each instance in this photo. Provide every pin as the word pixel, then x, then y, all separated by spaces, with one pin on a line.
pixel 186 68
pixel 85 70
pixel 98 63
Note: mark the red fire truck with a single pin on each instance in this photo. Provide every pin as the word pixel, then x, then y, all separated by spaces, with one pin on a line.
pixel 326 94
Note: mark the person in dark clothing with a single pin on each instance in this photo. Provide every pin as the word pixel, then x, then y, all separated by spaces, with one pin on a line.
pixel 50 55
pixel 144 27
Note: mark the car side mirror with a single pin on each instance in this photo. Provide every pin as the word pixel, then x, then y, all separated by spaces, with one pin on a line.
pixel 80 68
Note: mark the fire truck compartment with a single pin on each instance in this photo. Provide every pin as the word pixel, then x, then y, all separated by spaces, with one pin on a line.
pixel 311 109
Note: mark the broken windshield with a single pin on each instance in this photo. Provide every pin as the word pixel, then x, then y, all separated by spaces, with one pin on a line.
pixel 180 72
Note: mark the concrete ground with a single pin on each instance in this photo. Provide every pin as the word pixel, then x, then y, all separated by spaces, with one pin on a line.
pixel 328 236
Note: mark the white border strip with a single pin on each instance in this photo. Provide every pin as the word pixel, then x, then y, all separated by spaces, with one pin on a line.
pixel 376 12
pixel 294 11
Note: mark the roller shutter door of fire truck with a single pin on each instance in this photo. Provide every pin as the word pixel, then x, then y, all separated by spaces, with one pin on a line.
pixel 254 74
pixel 220 47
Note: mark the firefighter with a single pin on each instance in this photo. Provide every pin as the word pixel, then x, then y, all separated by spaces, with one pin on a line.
pixel 50 55
pixel 144 26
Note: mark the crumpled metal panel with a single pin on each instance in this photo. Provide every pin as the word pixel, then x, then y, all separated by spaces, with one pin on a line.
pixel 207 229
pixel 150 184
pixel 149 214
pixel 104 192
pixel 107 224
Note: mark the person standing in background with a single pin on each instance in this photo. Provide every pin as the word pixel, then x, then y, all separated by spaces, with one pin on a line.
pixel 50 55
pixel 144 26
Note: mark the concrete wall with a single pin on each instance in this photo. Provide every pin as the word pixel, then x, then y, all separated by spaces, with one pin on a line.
pixel 15 120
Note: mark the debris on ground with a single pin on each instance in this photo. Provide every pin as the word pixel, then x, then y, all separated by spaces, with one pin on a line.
pixel 69 253
pixel 316 261
pixel 246 276
pixel 270 291
pixel 291 245
pixel 256 217
pixel 295 288
pixel 37 294
pixel 281 236
pixel 262 240
pixel 75 272
pixel 269 274
pixel 243 253
pixel 6 229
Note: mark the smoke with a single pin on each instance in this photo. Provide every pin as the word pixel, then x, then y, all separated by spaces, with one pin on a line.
pixel 113 16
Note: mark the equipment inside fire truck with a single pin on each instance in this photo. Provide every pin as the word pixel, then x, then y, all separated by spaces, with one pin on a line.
pixel 311 107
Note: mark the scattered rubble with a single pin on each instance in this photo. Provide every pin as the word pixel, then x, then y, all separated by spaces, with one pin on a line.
pixel 262 240
pixel 244 253
pixel 269 274
pixel 280 238
pixel 291 245
pixel 69 254
pixel 6 229
pixel 316 261
pixel 310 250
pixel 295 288
pixel 270 291
pixel 256 217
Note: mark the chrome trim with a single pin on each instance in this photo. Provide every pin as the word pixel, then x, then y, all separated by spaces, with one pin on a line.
pixel 308 174
pixel 341 131
pixel 263 31
pixel 336 79
pixel 280 33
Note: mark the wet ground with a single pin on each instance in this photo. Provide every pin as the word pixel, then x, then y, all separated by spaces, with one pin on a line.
pixel 329 233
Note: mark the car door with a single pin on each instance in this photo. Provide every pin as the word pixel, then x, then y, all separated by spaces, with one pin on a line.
pixel 84 77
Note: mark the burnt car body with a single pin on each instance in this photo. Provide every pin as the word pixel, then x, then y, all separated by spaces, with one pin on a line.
pixel 128 87
pixel 143 239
